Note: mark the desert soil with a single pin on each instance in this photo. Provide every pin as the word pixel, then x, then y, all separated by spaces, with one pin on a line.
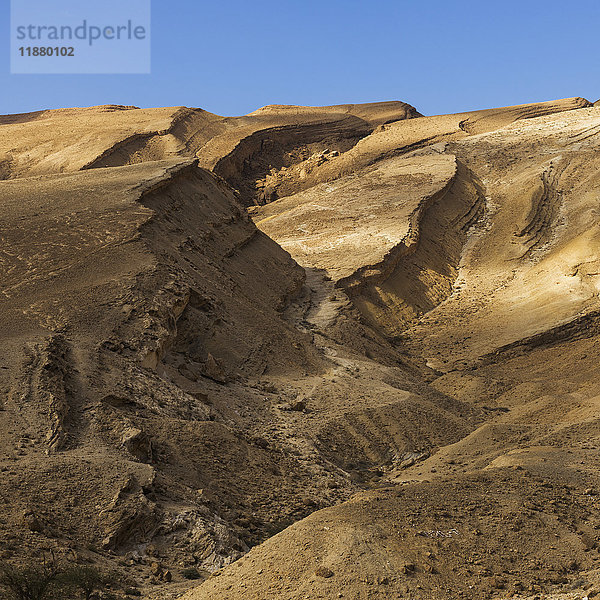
pixel 337 352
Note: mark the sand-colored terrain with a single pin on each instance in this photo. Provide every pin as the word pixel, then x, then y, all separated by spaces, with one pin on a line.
pixel 337 352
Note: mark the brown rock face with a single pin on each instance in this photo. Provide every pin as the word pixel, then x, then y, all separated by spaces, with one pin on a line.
pixel 335 352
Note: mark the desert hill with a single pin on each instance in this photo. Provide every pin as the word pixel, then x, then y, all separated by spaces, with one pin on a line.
pixel 351 349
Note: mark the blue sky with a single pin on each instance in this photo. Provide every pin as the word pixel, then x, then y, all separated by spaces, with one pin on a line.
pixel 231 57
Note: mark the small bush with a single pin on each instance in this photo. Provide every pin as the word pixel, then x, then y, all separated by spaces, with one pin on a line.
pixel 29 582
pixel 84 579
pixel 191 573
pixel 49 581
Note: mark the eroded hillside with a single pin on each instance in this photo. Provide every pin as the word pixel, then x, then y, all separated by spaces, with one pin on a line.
pixel 214 327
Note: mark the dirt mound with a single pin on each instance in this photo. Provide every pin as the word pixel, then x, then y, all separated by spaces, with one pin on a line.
pixel 490 535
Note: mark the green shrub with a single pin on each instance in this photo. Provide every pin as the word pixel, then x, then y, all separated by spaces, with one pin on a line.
pixel 191 573
pixel 49 581
pixel 84 579
pixel 29 582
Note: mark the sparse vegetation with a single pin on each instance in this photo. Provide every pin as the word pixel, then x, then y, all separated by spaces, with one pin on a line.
pixel 190 573
pixel 29 582
pixel 49 580
pixel 83 579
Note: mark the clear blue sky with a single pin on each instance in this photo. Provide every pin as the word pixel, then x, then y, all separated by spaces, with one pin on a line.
pixel 231 57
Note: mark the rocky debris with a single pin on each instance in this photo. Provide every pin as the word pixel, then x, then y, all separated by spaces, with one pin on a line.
pixel 323 572
pixel 32 522
pixel 138 443
pixel 130 517
pixel 409 459
pixel 298 404
pixel 156 569
pixel 213 369
pixel 202 534
pixel 189 371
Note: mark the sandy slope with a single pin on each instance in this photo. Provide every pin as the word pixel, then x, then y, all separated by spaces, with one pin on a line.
pixel 149 375
pixel 359 217
pixel 106 136
pixel 396 370
pixel 506 310
pixel 102 283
